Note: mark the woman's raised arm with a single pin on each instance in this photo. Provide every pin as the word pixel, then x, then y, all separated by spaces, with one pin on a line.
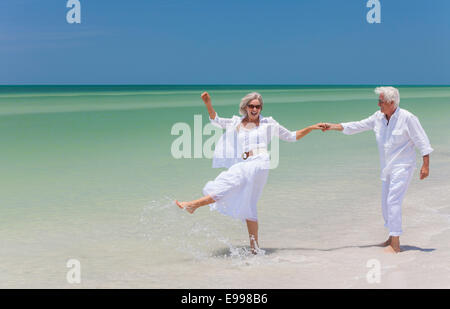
pixel 207 99
pixel 214 118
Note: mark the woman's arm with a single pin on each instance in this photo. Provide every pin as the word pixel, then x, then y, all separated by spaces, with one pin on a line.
pixel 303 132
pixel 292 136
pixel 214 118
pixel 207 99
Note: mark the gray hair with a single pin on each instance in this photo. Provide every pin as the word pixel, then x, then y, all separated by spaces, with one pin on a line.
pixel 390 94
pixel 247 99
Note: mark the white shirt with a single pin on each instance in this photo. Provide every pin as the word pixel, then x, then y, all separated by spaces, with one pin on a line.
pixel 236 140
pixel 396 139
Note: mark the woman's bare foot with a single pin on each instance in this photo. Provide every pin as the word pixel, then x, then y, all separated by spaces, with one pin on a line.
pixel 186 206
pixel 257 251
pixel 254 248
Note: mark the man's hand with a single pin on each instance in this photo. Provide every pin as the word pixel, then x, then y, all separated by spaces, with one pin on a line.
pixel 424 172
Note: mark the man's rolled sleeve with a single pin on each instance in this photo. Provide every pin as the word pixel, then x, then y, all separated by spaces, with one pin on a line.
pixel 418 136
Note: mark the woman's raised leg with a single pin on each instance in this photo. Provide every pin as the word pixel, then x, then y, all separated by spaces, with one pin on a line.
pixel 191 206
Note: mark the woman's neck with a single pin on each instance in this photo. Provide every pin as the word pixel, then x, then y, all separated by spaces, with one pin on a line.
pixel 248 120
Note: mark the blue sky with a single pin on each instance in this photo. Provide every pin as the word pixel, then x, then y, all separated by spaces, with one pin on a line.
pixel 225 42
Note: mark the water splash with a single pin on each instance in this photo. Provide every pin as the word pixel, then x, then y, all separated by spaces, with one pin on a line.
pixel 163 224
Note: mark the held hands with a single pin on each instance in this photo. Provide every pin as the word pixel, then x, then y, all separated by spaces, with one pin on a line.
pixel 326 126
pixel 321 126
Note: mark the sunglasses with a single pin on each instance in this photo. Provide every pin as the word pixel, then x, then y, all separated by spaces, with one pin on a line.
pixel 251 106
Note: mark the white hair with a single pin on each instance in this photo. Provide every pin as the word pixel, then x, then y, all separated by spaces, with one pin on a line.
pixel 247 99
pixel 390 94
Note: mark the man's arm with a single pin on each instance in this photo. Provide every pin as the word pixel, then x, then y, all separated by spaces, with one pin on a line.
pixel 354 127
pixel 421 141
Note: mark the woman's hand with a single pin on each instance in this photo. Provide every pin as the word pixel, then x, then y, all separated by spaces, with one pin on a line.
pixel 206 97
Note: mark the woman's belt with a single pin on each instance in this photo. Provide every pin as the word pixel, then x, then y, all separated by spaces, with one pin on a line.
pixel 253 152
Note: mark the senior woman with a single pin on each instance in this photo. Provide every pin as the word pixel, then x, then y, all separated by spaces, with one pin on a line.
pixel 243 150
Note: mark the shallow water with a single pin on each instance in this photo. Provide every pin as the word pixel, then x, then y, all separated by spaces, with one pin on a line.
pixel 87 173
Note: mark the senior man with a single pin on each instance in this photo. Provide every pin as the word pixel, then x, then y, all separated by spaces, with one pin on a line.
pixel 397 132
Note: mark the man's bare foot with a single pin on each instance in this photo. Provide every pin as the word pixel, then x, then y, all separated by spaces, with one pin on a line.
pixel 391 249
pixel 187 206
pixel 386 243
pixel 394 246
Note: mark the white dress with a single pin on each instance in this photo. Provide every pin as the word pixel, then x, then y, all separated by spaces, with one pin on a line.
pixel 237 190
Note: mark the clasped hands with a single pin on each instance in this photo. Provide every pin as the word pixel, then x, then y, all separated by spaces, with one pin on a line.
pixel 322 126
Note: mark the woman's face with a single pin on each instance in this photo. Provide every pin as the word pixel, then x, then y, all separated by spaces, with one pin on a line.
pixel 253 109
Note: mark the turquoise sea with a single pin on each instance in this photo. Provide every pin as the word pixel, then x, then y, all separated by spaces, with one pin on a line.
pixel 86 173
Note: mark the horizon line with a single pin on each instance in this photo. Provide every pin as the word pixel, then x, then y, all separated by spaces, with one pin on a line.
pixel 222 84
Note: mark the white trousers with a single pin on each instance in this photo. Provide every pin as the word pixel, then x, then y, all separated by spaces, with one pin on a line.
pixel 392 193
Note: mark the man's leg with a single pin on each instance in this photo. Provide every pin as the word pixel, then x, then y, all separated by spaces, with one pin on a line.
pixel 384 209
pixel 399 182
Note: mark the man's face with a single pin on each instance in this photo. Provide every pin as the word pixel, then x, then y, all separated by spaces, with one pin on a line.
pixel 385 106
